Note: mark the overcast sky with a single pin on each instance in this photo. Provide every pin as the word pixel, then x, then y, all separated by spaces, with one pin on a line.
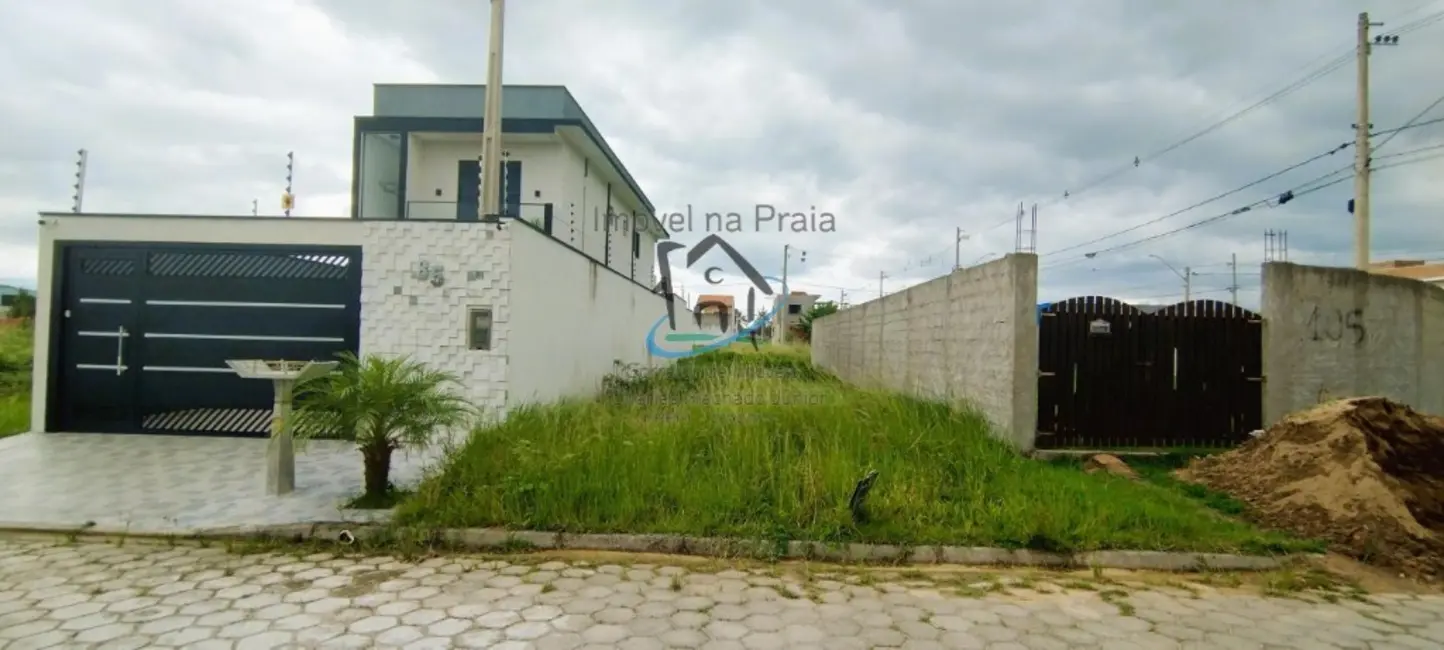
pixel 906 120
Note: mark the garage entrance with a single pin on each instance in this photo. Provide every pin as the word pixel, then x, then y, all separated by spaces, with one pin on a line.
pixel 142 332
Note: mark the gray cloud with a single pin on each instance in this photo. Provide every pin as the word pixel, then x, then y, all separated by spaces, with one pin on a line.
pixel 907 121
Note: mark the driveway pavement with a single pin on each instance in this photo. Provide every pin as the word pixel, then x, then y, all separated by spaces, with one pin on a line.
pixel 174 483
pixel 116 597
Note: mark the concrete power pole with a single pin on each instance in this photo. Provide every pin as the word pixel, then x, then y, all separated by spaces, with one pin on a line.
pixel 1187 283
pixel 491 164
pixel 958 248
pixel 881 322
pixel 1233 288
pixel 782 310
pixel 786 292
pixel 1361 150
pixel 841 298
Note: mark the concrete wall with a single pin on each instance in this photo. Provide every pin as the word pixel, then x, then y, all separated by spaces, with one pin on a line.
pixel 1339 332
pixel 971 336
pixel 573 321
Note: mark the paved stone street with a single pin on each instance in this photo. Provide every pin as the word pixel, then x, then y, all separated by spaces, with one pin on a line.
pixel 162 484
pixel 142 595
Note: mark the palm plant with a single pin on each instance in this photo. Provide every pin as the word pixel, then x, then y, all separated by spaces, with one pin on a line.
pixel 382 404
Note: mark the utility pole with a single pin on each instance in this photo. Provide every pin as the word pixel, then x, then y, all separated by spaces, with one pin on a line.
pixel 841 298
pixel 1233 288
pixel 289 200
pixel 958 248
pixel 255 207
pixel 1361 150
pixel 491 164
pixel 1186 276
pixel 786 293
pixel 881 322
pixel 79 197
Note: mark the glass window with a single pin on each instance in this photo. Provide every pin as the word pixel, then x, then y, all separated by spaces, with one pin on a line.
pixel 380 176
pixel 478 325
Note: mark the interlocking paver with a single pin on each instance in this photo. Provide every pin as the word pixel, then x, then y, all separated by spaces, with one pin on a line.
pixel 103 596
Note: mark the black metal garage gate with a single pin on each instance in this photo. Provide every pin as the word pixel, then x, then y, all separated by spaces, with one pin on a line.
pixel 142 332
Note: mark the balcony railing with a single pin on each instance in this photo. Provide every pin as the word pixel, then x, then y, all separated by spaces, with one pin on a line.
pixel 537 214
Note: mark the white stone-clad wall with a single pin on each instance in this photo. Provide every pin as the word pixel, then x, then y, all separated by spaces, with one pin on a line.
pixel 401 314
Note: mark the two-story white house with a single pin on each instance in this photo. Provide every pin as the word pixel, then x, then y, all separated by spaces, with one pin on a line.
pixel 417 157
pixel 138 314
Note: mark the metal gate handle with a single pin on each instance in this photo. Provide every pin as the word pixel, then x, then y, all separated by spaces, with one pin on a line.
pixel 120 350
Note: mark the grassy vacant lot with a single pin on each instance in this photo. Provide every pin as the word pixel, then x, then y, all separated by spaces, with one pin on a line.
pixel 15 351
pixel 763 446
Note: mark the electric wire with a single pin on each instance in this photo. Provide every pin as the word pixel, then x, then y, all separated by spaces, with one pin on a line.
pixel 1334 64
pixel 1393 132
pixel 1308 187
pixel 1204 202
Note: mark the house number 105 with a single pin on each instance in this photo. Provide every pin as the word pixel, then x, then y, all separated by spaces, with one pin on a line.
pixel 1337 324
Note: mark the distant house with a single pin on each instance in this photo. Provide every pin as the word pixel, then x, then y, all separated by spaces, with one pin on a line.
pixel 1430 272
pixel 799 303
pixel 8 294
pixel 713 309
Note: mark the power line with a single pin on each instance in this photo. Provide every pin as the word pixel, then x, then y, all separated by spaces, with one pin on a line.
pixel 1337 62
pixel 1409 162
pixel 1207 201
pixel 1411 152
pixel 1408 125
pixel 1406 128
pixel 1309 187
pixel 1394 133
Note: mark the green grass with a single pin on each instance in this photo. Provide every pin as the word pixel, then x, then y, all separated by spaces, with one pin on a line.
pixel 764 446
pixel 1159 469
pixel 15 362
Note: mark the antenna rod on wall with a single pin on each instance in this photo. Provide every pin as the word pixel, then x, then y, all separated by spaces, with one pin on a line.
pixel 79 197
pixel 288 201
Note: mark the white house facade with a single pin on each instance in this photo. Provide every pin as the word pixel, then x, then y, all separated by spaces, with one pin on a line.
pixel 137 314
pixel 417 156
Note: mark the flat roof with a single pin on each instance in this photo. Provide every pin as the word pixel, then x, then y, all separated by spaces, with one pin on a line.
pixel 532 103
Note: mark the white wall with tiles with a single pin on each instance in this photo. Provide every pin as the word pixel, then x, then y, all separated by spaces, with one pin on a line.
pixel 406 310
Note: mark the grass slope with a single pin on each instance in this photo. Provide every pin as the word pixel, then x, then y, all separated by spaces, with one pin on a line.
pixel 15 353
pixel 764 446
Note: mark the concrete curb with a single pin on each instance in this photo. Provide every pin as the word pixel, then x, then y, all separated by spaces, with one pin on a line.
pixel 492 539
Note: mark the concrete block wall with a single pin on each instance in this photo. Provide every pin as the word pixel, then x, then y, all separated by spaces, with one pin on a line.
pixel 1339 332
pixel 404 315
pixel 967 337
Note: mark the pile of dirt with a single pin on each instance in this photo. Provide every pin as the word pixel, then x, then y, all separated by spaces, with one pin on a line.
pixel 1365 474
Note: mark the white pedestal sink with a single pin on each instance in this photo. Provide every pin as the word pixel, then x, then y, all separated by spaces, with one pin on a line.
pixel 281 449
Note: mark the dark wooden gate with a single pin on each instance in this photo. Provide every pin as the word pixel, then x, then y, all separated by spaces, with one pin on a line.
pixel 1113 376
